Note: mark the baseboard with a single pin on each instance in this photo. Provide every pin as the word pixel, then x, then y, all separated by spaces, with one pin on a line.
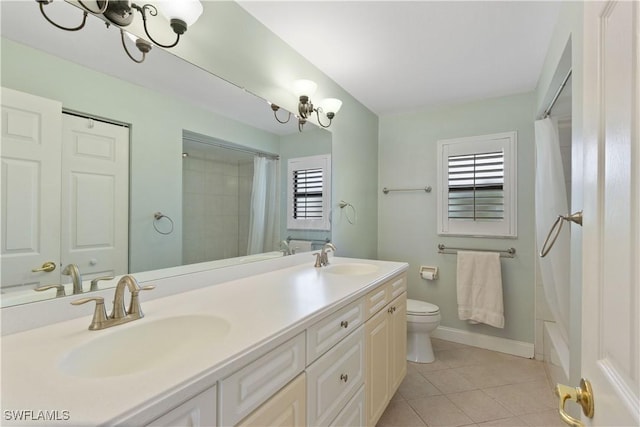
pixel 503 345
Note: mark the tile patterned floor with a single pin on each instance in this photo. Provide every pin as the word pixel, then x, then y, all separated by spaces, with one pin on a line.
pixel 469 386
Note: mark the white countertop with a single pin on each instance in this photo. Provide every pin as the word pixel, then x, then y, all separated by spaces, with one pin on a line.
pixel 263 311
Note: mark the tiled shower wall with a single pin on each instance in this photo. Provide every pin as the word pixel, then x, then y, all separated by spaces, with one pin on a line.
pixel 216 203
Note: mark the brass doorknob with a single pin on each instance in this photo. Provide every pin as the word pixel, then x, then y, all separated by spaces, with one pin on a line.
pixel 46 267
pixel 582 395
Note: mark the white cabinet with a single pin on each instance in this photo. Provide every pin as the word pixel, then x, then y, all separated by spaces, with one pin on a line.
pixel 326 333
pixel 197 411
pixel 334 378
pixel 353 414
pixel 386 341
pixel 242 392
pixel 286 409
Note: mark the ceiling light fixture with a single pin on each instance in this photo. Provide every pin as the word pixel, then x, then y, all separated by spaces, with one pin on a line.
pixel 304 90
pixel 180 13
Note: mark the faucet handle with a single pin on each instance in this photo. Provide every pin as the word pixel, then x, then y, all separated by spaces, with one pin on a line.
pixel 99 314
pixel 134 304
pixel 59 289
pixel 94 282
pixel 318 256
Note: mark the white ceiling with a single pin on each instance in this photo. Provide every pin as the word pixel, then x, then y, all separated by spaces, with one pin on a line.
pixel 393 56
pixel 399 56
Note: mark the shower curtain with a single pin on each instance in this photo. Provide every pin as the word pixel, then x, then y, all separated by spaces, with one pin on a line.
pixel 551 201
pixel 263 217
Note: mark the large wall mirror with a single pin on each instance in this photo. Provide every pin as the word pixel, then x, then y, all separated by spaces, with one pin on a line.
pixel 194 140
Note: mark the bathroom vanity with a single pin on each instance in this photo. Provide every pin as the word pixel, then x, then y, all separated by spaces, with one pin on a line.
pixel 295 345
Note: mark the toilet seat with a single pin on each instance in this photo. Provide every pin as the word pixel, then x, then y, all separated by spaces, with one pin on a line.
pixel 421 308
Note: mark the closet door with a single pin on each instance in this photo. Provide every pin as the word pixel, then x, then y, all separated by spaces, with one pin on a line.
pixel 95 196
pixel 31 145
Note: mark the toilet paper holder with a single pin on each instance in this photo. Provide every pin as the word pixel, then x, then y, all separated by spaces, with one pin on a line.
pixel 428 272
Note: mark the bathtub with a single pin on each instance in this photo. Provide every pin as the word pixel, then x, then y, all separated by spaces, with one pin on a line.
pixel 556 354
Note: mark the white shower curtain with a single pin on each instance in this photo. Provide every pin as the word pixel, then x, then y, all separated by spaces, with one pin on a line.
pixel 551 201
pixel 263 217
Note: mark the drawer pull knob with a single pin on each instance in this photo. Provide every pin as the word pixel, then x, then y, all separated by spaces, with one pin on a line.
pixel 344 377
pixel 390 310
pixel 344 324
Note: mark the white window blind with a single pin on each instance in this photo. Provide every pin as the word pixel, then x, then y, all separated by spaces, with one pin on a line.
pixel 309 192
pixel 476 186
pixel 477 181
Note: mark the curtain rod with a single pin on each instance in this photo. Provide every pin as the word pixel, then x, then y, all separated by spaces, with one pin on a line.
pixel 557 95
pixel 204 139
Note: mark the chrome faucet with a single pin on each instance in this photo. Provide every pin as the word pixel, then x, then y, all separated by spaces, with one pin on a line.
pixel 76 278
pixel 119 314
pixel 285 248
pixel 322 259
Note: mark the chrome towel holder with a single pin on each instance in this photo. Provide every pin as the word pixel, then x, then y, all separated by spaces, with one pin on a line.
pixel 557 225
pixel 426 189
pixel 157 217
pixel 505 253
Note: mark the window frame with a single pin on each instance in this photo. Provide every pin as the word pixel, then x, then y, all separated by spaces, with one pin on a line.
pixel 505 142
pixel 323 162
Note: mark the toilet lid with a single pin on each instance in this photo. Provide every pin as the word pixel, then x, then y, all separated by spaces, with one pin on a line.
pixel 421 307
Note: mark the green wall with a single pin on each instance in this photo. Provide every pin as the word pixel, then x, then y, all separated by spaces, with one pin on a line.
pixel 242 50
pixel 157 122
pixel 407 221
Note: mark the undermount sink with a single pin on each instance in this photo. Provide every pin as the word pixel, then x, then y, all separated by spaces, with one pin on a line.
pixel 143 346
pixel 352 269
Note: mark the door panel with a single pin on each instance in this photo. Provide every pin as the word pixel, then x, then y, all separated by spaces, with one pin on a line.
pixel 95 196
pixel 611 239
pixel 31 136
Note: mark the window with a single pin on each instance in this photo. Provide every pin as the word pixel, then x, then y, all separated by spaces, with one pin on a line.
pixel 309 193
pixel 477 186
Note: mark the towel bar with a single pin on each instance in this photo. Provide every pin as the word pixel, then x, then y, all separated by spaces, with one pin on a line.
pixel 505 253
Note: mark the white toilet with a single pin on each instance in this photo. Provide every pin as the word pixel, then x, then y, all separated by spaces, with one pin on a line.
pixel 422 319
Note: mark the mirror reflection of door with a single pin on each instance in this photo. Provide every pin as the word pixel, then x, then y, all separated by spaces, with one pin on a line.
pixel 84 220
pixel 30 189
pixel 95 196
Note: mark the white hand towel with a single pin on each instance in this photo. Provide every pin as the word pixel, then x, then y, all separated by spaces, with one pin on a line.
pixel 298 246
pixel 479 288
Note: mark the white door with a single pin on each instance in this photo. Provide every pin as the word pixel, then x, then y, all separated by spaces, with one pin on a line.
pixel 31 132
pixel 611 239
pixel 95 196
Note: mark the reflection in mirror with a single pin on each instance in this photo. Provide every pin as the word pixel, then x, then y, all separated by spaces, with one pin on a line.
pixel 160 101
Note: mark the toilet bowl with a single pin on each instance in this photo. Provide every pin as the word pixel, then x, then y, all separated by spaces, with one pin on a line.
pixel 422 319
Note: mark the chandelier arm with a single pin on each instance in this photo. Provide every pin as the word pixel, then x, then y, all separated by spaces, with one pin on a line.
pixel 79 27
pixel 275 114
pixel 153 12
pixel 100 12
pixel 124 45
pixel 317 110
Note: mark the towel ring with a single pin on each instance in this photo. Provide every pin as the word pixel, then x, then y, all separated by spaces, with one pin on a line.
pixel 156 218
pixel 576 218
pixel 343 205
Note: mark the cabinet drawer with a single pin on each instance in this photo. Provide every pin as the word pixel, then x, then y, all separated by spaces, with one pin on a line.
pixel 383 294
pixel 285 409
pixel 353 414
pixel 329 331
pixel 397 286
pixel 334 378
pixel 245 390
pixel 197 411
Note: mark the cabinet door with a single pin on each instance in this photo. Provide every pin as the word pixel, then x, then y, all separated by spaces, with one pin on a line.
pixel 286 409
pixel 195 412
pixel 398 345
pixel 377 381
